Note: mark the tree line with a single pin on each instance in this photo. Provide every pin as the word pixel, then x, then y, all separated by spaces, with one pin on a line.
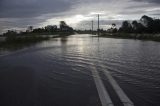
pixel 49 29
pixel 145 24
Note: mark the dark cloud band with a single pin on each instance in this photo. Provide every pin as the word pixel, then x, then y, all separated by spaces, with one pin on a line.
pixel 149 1
pixel 31 8
pixel 21 13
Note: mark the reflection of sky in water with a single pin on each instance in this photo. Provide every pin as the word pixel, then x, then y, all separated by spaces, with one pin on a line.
pixel 64 64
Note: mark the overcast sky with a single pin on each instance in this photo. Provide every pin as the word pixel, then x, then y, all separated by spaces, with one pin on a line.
pixel 18 14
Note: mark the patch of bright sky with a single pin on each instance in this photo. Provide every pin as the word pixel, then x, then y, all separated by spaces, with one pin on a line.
pixel 73 20
pixel 153 9
pixel 87 10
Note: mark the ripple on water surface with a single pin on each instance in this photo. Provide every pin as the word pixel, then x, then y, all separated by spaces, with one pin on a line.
pixel 65 65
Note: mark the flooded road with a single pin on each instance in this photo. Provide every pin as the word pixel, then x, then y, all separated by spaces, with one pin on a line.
pixel 58 72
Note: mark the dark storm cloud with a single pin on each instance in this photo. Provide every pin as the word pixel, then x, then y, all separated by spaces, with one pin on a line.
pixel 149 1
pixel 38 13
pixel 18 24
pixel 132 12
pixel 31 8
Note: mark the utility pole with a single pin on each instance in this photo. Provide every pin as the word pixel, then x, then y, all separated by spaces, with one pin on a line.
pixel 92 27
pixel 98 25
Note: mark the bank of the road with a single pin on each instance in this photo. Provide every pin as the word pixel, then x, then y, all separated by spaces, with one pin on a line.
pixel 152 37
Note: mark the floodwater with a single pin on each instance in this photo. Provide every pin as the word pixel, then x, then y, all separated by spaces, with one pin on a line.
pixel 58 72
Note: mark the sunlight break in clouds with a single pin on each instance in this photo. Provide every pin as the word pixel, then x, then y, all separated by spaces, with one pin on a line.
pixel 70 20
pixel 17 14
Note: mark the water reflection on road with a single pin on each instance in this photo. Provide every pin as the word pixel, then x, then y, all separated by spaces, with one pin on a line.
pixel 58 72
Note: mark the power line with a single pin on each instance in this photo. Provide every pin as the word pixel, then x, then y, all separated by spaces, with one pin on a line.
pixel 92 26
pixel 98 25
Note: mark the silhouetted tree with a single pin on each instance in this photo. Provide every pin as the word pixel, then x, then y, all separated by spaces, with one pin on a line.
pixel 51 28
pixel 39 30
pixel 126 27
pixel 137 27
pixel 148 22
pixel 29 29
pixel 157 25
pixel 65 27
pixel 10 35
pixel 113 25
pixel 113 28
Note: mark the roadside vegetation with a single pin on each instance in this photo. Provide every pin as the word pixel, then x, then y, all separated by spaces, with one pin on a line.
pixel 147 28
pixel 31 35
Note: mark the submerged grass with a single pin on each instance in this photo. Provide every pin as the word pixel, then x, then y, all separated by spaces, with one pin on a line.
pixel 13 42
pixel 20 41
pixel 153 37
